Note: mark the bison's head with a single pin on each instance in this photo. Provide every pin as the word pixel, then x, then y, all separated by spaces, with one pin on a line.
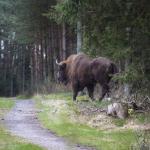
pixel 62 72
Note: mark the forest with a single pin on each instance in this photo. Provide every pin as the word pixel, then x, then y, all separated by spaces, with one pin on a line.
pixel 34 33
pixel 37 37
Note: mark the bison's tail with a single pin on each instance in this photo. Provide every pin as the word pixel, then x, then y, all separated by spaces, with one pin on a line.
pixel 113 69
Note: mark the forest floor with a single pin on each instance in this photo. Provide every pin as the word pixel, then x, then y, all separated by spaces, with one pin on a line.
pixel 54 122
pixel 83 123
pixel 22 121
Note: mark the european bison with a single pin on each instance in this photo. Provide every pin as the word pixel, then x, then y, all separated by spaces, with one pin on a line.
pixel 82 71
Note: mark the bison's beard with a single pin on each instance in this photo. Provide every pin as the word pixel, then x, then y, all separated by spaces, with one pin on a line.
pixel 63 81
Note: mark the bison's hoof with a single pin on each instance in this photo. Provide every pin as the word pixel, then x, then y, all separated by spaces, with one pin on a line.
pixel 93 99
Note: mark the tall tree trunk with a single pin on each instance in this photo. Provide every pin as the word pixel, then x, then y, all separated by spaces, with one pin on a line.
pixel 12 77
pixel 6 64
pixel 52 50
pixel 46 58
pixel 41 59
pixel 126 85
pixel 64 40
pixel 79 36
pixel 23 70
pixel 38 63
pixel 32 65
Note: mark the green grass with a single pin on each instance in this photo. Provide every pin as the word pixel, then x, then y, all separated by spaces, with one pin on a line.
pixel 61 124
pixel 5 103
pixel 119 122
pixel 7 141
pixel 142 118
pixel 55 96
pixel 24 97
pixel 68 97
pixel 119 140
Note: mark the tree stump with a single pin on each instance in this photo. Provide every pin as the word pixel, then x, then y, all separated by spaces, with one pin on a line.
pixel 119 110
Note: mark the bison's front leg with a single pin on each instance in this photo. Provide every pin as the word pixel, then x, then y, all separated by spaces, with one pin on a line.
pixel 90 89
pixel 75 91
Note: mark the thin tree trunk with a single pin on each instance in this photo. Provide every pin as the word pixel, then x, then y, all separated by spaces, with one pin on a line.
pixel 126 85
pixel 23 70
pixel 41 59
pixel 12 76
pixel 31 67
pixel 52 50
pixel 46 56
pixel 79 36
pixel 6 64
pixel 64 40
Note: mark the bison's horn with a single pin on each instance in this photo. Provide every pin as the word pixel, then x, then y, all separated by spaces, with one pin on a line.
pixel 57 62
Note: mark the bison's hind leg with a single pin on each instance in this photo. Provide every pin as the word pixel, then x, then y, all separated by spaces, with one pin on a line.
pixel 105 90
pixel 75 93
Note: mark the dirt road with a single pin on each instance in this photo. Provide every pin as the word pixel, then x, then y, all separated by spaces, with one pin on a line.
pixel 22 121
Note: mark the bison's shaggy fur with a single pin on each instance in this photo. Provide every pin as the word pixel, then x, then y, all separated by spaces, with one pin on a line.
pixel 82 71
